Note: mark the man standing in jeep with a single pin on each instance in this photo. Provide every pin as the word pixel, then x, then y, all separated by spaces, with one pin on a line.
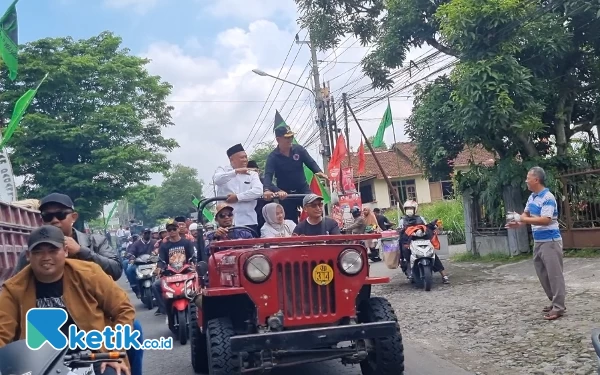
pixel 58 210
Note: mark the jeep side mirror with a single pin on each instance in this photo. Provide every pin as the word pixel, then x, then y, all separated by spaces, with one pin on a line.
pixel 202 268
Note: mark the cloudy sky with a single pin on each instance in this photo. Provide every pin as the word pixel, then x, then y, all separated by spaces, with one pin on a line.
pixel 207 49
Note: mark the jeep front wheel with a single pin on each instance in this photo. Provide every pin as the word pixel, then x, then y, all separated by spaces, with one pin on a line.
pixel 386 354
pixel 221 360
pixel 197 343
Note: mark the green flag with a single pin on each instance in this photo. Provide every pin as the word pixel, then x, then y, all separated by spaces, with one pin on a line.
pixel 110 215
pixel 386 122
pixel 316 186
pixel 9 40
pixel 205 212
pixel 19 111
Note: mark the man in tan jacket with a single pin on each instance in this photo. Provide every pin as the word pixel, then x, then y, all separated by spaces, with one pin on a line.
pixel 90 297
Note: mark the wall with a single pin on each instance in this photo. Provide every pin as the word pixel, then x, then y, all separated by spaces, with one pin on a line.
pixel 382 196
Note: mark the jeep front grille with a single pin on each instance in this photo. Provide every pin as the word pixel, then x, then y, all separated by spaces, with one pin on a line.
pixel 299 296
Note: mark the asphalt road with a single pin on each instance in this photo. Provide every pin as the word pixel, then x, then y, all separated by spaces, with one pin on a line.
pixel 418 360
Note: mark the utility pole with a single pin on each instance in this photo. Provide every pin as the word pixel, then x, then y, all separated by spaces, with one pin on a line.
pixel 319 103
pixel 346 128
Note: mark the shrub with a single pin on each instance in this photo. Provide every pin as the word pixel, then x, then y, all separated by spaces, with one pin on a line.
pixel 450 212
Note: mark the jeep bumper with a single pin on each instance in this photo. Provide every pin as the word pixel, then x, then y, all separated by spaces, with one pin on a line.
pixel 311 338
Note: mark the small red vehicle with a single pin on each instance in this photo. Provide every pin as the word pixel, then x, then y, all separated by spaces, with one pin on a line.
pixel 266 303
pixel 179 287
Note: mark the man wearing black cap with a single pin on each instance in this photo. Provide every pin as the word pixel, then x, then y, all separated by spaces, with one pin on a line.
pixel 241 185
pixel 144 245
pixel 58 210
pixel 83 290
pixel 286 164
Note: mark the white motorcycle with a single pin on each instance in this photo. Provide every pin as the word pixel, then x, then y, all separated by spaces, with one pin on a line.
pixel 422 253
pixel 145 266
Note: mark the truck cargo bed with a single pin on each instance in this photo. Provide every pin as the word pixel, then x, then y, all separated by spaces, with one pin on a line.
pixel 15 225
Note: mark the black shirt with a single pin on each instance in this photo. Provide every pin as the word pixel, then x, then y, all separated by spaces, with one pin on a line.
pixel 382 221
pixel 325 227
pixel 50 295
pixel 289 170
pixel 177 253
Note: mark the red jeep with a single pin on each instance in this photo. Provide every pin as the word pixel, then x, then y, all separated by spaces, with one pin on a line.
pixel 275 302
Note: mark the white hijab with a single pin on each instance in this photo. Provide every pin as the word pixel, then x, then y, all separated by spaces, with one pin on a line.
pixel 272 228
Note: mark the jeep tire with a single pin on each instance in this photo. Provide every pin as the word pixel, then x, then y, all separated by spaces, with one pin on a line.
pixel 197 343
pixel 387 358
pixel 221 360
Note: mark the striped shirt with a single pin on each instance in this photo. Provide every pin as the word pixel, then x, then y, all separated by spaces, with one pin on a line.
pixel 543 204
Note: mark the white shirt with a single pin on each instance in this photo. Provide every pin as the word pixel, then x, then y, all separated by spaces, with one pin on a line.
pixel 120 232
pixel 247 187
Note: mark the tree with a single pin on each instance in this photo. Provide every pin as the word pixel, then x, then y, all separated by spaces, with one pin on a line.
pixel 260 154
pixel 94 128
pixel 176 192
pixel 141 198
pixel 383 146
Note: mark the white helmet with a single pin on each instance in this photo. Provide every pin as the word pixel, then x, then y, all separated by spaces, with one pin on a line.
pixel 193 226
pixel 411 207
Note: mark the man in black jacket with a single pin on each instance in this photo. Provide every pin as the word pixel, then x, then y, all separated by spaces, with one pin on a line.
pixel 58 210
pixel 286 164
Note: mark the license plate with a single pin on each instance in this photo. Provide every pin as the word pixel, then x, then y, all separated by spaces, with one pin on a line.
pixel 322 274
pixel 177 278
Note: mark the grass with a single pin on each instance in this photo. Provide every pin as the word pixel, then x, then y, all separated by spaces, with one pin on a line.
pixel 450 212
pixel 505 258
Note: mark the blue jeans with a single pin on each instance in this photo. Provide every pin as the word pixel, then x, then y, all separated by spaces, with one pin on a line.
pixel 134 356
pixel 131 277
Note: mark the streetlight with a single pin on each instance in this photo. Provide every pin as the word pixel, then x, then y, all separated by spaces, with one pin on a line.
pixel 265 74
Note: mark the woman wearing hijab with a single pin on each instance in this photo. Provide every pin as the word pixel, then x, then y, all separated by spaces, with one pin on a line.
pixel 275 223
pixel 372 227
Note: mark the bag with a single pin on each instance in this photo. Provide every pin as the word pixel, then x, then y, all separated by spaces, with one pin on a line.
pixel 369 229
pixel 390 249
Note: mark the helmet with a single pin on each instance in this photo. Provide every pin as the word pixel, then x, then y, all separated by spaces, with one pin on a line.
pixel 155 230
pixel 209 226
pixel 411 207
pixel 193 226
pixel 355 212
pixel 162 228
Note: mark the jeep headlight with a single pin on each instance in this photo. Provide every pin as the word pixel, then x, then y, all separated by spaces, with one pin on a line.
pixel 351 262
pixel 257 268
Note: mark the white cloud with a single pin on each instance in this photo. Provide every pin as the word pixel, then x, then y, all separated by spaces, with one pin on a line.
pixel 139 6
pixel 250 10
pixel 218 99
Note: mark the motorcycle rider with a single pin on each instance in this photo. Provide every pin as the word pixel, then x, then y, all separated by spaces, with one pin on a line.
pixel 144 245
pixel 411 219
pixel 382 221
pixel 155 235
pixel 58 210
pixel 194 230
pixel 359 225
pixel 169 252
pixel 90 297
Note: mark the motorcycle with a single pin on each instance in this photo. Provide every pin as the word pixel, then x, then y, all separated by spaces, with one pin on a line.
pixel 422 252
pixel 17 358
pixel 144 273
pixel 596 344
pixel 179 286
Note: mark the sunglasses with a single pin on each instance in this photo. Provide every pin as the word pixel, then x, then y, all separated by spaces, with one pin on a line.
pixel 172 229
pixel 60 215
pixel 223 216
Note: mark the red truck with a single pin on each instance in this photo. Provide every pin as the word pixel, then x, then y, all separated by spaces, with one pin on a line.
pixel 17 220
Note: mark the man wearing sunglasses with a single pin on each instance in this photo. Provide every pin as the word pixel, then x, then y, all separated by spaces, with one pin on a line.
pixel 225 230
pixel 58 210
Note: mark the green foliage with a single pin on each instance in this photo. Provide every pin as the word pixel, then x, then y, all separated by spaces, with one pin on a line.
pixel 141 198
pixel 383 146
pixel 260 154
pixel 94 128
pixel 449 211
pixel 174 197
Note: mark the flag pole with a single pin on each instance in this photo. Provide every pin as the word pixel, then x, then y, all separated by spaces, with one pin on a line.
pixel 396 153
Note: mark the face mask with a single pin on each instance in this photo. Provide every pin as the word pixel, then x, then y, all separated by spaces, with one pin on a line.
pixel 410 211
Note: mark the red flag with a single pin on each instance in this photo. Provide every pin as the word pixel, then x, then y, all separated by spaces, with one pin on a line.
pixel 339 153
pixel 361 157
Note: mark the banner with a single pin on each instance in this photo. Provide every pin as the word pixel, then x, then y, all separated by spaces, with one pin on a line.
pixel 341 211
pixel 8 188
pixel 348 180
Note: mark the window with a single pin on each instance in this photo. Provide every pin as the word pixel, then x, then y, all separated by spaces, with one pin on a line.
pixel 407 189
pixel 366 193
pixel 447 190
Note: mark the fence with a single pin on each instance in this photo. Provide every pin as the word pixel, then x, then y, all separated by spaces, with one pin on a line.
pixel 579 215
